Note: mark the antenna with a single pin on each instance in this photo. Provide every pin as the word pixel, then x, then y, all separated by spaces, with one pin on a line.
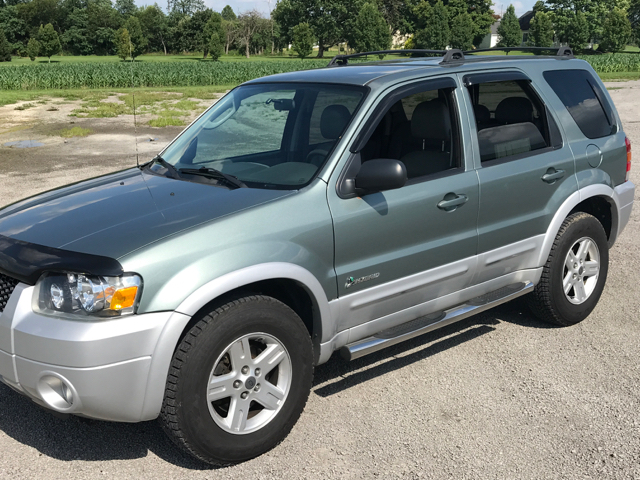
pixel 133 96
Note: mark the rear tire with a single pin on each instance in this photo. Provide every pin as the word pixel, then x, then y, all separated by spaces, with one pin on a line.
pixel 575 273
pixel 239 381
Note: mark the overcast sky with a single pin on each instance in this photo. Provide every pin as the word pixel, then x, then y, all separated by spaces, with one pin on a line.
pixel 521 6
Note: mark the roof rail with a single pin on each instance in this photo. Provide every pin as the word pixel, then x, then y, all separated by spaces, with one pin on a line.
pixel 560 51
pixel 447 55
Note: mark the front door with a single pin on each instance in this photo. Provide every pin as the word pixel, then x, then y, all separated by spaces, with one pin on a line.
pixel 400 248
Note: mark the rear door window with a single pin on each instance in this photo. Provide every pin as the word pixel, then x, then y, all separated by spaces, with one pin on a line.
pixel 510 119
pixel 584 100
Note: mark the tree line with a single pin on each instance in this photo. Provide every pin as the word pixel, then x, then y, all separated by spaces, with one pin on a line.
pixel 101 27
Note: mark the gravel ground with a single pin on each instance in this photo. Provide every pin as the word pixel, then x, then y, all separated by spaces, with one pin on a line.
pixel 498 396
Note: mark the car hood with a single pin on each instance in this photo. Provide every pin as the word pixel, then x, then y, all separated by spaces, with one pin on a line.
pixel 119 213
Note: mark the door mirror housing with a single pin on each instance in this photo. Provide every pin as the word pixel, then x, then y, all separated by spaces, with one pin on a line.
pixel 379 175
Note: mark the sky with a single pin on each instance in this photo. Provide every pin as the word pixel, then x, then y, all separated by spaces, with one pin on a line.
pixel 521 6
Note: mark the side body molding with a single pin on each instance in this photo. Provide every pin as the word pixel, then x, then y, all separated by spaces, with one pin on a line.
pixel 322 323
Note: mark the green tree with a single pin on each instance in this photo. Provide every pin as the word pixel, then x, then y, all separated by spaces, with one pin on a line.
pixel 303 40
pixel 137 38
pixel 540 31
pixel 509 29
pixel 432 29
pixel 248 25
pixel 577 32
pixel 33 49
pixel 230 28
pixel 539 7
pixel 123 43
pixel 154 27
pixel 103 21
pixel 5 48
pixel 634 19
pixel 75 37
pixel 126 8
pixel 186 7
pixel 49 41
pixel 228 14
pixel 462 32
pixel 13 26
pixel 214 31
pixel 370 30
pixel 327 19
pixel 616 31
pixel 595 12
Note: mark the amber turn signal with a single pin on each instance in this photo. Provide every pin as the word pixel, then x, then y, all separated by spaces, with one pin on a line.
pixel 124 298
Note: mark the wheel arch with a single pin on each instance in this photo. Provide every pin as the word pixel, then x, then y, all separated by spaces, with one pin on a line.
pixel 597 200
pixel 274 279
pixel 291 284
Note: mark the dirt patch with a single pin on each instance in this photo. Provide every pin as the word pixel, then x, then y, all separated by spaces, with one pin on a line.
pixel 114 144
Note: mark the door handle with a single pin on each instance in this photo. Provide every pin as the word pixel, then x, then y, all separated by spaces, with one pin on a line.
pixel 450 204
pixel 552 175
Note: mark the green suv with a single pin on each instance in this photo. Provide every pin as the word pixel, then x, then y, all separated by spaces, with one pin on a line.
pixel 347 208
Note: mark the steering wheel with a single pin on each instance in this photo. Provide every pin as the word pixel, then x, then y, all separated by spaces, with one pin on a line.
pixel 317 156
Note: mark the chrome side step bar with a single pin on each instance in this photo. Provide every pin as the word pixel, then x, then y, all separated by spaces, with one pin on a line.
pixel 422 325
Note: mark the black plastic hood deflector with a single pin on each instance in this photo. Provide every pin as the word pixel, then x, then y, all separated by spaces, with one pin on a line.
pixel 27 261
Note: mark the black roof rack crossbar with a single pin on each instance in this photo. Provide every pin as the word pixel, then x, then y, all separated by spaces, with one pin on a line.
pixel 560 51
pixel 447 55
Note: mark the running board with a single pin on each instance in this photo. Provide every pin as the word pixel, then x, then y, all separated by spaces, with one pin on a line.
pixel 422 325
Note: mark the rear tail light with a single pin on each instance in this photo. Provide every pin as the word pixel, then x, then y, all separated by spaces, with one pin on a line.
pixel 628 144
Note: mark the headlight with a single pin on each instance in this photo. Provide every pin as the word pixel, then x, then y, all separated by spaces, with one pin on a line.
pixel 79 295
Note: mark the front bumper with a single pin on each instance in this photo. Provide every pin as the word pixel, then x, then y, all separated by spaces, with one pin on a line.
pixel 110 370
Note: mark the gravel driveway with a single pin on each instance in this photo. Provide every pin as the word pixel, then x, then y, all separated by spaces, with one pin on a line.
pixel 499 396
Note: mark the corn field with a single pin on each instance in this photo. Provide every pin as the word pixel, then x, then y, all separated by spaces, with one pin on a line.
pixel 614 63
pixel 176 74
pixel 123 75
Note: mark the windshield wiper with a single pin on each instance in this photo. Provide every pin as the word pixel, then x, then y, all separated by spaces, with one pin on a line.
pixel 173 171
pixel 215 174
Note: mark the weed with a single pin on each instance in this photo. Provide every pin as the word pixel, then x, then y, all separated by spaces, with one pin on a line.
pixel 24 106
pixel 73 132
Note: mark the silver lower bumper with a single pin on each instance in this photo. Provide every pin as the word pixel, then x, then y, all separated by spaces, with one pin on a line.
pixel 111 370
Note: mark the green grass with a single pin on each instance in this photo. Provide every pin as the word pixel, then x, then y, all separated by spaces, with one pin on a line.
pixel 73 132
pixel 8 97
pixel 24 106
pixel 619 76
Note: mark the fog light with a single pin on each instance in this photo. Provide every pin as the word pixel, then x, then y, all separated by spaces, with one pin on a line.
pixel 56 392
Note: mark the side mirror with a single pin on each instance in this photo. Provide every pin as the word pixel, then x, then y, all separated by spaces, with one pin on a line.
pixel 381 174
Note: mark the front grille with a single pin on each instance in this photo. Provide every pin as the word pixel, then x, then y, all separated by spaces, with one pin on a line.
pixel 7 286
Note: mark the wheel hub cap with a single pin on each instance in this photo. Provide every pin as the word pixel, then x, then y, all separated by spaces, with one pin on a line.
pixel 249 383
pixel 581 271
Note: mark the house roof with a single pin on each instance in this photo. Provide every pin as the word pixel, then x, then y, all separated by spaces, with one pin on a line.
pixel 525 20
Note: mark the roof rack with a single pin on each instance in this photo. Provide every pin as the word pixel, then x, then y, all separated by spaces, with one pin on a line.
pixel 560 51
pixel 448 56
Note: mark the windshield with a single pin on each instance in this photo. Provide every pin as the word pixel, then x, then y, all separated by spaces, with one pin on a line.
pixel 268 135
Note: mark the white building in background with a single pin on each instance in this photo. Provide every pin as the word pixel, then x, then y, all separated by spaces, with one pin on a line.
pixel 492 38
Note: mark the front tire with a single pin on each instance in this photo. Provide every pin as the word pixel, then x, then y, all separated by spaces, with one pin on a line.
pixel 239 381
pixel 575 273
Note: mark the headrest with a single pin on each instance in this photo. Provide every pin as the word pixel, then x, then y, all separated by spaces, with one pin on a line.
pixel 483 115
pixel 333 121
pixel 431 120
pixel 514 110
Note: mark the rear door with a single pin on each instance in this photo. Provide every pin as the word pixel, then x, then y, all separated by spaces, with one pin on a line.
pixel 525 169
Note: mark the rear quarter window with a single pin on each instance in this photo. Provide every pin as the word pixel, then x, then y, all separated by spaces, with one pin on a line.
pixel 584 100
